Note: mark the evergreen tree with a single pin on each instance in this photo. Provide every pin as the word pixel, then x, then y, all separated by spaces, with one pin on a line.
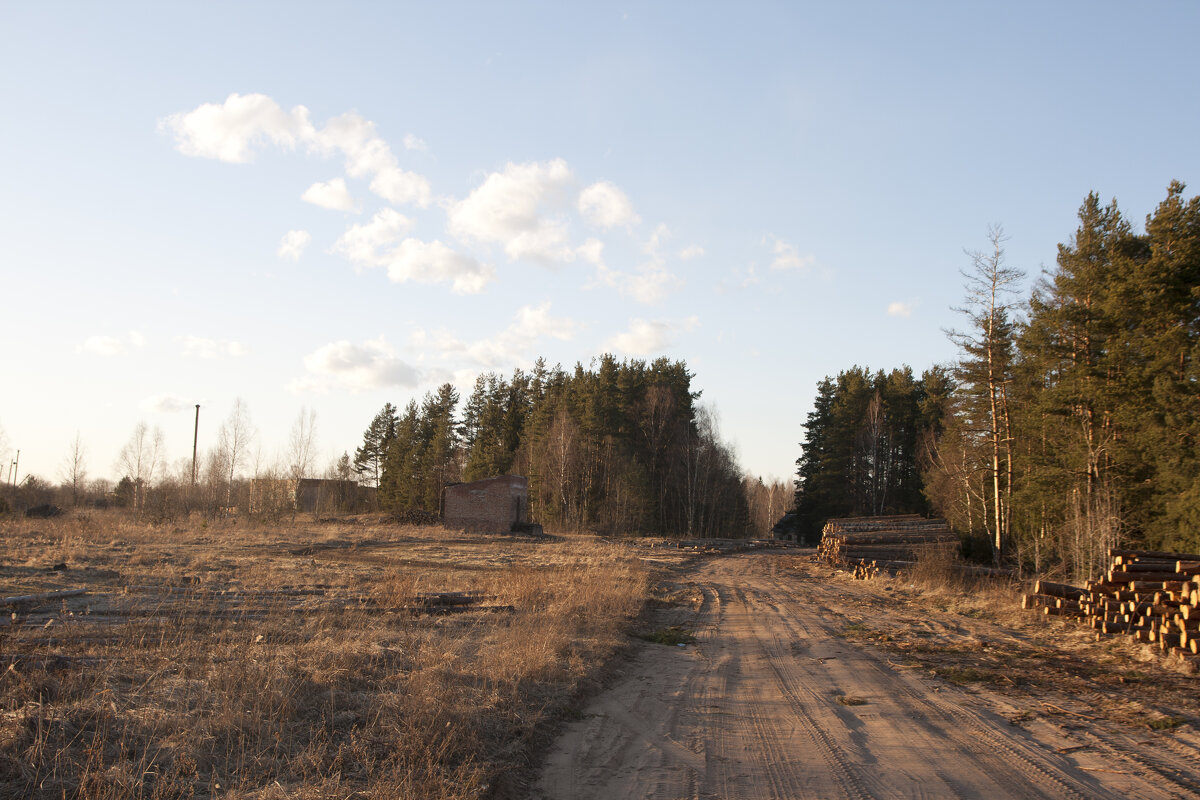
pixel 369 458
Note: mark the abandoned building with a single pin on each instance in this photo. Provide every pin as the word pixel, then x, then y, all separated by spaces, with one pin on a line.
pixel 492 505
pixel 787 529
pixel 312 495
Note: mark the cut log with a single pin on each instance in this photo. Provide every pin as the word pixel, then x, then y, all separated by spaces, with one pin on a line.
pixel 24 599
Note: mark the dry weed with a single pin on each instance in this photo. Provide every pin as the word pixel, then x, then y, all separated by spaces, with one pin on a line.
pixel 292 660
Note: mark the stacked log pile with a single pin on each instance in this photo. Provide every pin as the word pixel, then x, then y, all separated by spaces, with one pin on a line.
pixel 1152 596
pixel 870 545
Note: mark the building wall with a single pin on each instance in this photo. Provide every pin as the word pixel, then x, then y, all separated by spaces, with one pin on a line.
pixel 492 505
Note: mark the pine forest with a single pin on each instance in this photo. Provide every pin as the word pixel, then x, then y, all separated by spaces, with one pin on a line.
pixel 1070 421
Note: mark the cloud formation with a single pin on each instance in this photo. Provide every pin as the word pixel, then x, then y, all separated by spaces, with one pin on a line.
pixel 330 194
pixel 787 257
pixel 512 345
pixel 900 308
pixel 361 367
pixel 645 338
pixel 292 245
pixel 165 404
pixel 604 205
pixel 108 346
pixel 518 208
pixel 232 131
pixel 652 281
pixel 382 243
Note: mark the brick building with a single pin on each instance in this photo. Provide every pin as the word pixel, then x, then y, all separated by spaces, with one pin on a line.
pixel 492 505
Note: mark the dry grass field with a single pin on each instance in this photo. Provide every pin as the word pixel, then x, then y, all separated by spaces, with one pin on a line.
pixel 301 659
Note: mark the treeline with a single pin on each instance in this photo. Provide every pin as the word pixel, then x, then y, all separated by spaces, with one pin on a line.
pixel 620 447
pixel 1072 420
pixel 862 443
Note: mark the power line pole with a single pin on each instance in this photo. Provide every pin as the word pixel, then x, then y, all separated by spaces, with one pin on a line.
pixel 195 438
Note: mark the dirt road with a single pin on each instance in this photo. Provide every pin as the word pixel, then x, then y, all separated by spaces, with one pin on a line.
pixel 774 700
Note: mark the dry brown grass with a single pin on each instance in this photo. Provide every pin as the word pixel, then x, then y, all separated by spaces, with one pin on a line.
pixel 289 661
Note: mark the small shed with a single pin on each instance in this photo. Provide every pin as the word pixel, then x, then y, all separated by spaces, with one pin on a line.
pixel 787 529
pixel 492 505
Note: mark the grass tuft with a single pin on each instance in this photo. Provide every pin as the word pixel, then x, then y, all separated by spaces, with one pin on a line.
pixel 673 635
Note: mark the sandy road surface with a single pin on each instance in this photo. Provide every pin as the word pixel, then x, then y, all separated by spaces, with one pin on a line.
pixel 753 711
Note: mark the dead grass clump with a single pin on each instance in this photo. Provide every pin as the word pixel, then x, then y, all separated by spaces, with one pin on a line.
pixel 936 570
pixel 247 662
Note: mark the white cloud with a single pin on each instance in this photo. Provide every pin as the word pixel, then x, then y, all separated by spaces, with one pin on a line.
pixel 786 256
pixel 331 194
pixel 604 205
pixel 111 345
pixel 432 262
pixel 381 243
pixel 514 208
pixel 363 243
pixel 591 251
pixel 900 309
pixel 209 349
pixel 690 252
pixel 230 131
pixel 650 284
pixel 292 245
pixel 355 138
pixel 645 338
pixel 510 346
pixel 398 186
pixel 372 364
pixel 413 142
pixel 165 404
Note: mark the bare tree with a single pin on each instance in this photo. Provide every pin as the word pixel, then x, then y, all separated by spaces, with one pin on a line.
pixel 74 467
pixel 302 444
pixel 986 369
pixel 140 458
pixel 233 443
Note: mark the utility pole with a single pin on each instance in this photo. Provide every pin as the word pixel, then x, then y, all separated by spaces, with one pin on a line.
pixel 195 438
pixel 14 470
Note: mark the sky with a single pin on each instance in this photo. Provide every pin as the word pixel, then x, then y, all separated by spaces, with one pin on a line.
pixel 326 207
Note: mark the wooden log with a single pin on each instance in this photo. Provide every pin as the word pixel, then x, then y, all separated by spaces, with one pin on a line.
pixel 1030 601
pixel 25 599
pixel 1126 576
pixel 1146 554
pixel 1148 566
pixel 1058 590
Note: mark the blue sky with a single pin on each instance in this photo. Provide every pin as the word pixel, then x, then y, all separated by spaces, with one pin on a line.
pixel 771 192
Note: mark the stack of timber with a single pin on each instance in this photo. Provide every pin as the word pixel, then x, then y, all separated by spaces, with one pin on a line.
pixel 870 545
pixel 1150 595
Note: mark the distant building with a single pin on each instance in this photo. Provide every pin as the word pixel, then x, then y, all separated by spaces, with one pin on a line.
pixel 788 528
pixel 312 495
pixel 492 505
